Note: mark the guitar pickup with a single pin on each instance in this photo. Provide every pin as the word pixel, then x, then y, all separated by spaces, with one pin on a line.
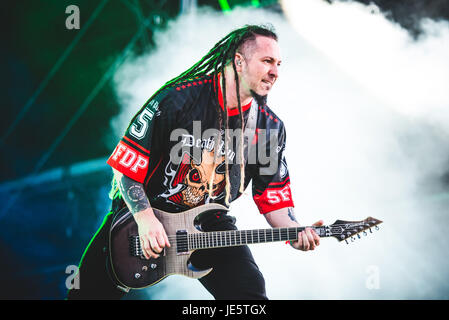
pixel 182 245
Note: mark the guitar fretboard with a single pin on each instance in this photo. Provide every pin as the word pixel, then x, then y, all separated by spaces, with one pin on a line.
pixel 206 240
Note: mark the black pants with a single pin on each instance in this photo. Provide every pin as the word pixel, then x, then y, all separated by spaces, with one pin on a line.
pixel 235 274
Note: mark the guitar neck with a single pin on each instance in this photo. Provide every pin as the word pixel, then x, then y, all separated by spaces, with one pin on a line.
pixel 231 238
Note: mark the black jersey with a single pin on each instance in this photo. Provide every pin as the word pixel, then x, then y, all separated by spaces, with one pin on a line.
pixel 165 148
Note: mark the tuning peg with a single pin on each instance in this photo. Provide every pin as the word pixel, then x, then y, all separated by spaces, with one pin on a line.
pixel 346 241
pixel 352 239
pixel 377 227
pixel 371 231
pixel 358 235
pixel 364 233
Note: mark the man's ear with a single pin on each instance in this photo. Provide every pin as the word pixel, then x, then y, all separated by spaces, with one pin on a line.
pixel 238 59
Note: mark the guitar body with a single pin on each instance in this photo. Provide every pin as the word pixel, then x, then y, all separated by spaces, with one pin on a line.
pixel 134 271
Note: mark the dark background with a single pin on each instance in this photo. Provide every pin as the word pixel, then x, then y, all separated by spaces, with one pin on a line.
pixel 55 120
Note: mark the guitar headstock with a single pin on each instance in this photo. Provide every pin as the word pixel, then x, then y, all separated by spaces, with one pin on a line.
pixel 342 230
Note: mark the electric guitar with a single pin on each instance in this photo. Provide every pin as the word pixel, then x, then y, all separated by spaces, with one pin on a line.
pixel 133 270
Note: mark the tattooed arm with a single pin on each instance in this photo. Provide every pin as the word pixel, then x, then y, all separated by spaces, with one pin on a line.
pixel 133 193
pixel 151 232
pixel 285 217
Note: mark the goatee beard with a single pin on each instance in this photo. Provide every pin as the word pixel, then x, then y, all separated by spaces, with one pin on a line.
pixel 261 100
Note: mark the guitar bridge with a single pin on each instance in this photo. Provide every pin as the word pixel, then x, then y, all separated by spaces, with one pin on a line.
pixel 134 247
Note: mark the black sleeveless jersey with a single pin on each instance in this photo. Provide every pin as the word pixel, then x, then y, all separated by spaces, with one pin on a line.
pixel 169 149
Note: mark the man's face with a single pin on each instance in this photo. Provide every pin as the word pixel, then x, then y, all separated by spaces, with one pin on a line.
pixel 259 68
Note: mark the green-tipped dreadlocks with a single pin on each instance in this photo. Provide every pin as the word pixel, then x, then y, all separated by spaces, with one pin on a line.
pixel 214 62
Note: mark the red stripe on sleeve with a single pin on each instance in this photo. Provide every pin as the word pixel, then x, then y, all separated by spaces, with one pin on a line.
pixel 279 183
pixel 274 199
pixel 130 162
pixel 136 145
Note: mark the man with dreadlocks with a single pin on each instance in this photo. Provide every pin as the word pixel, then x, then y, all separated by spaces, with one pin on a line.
pixel 223 91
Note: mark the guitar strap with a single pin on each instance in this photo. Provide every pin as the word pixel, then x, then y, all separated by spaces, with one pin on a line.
pixel 249 151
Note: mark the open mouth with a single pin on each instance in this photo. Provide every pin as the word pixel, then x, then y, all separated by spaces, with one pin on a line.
pixel 267 82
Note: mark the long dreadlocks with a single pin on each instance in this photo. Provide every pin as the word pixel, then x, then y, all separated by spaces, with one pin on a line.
pixel 214 63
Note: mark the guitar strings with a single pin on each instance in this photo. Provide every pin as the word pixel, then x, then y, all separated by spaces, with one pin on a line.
pixel 205 238
pixel 206 243
pixel 219 238
pixel 205 234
